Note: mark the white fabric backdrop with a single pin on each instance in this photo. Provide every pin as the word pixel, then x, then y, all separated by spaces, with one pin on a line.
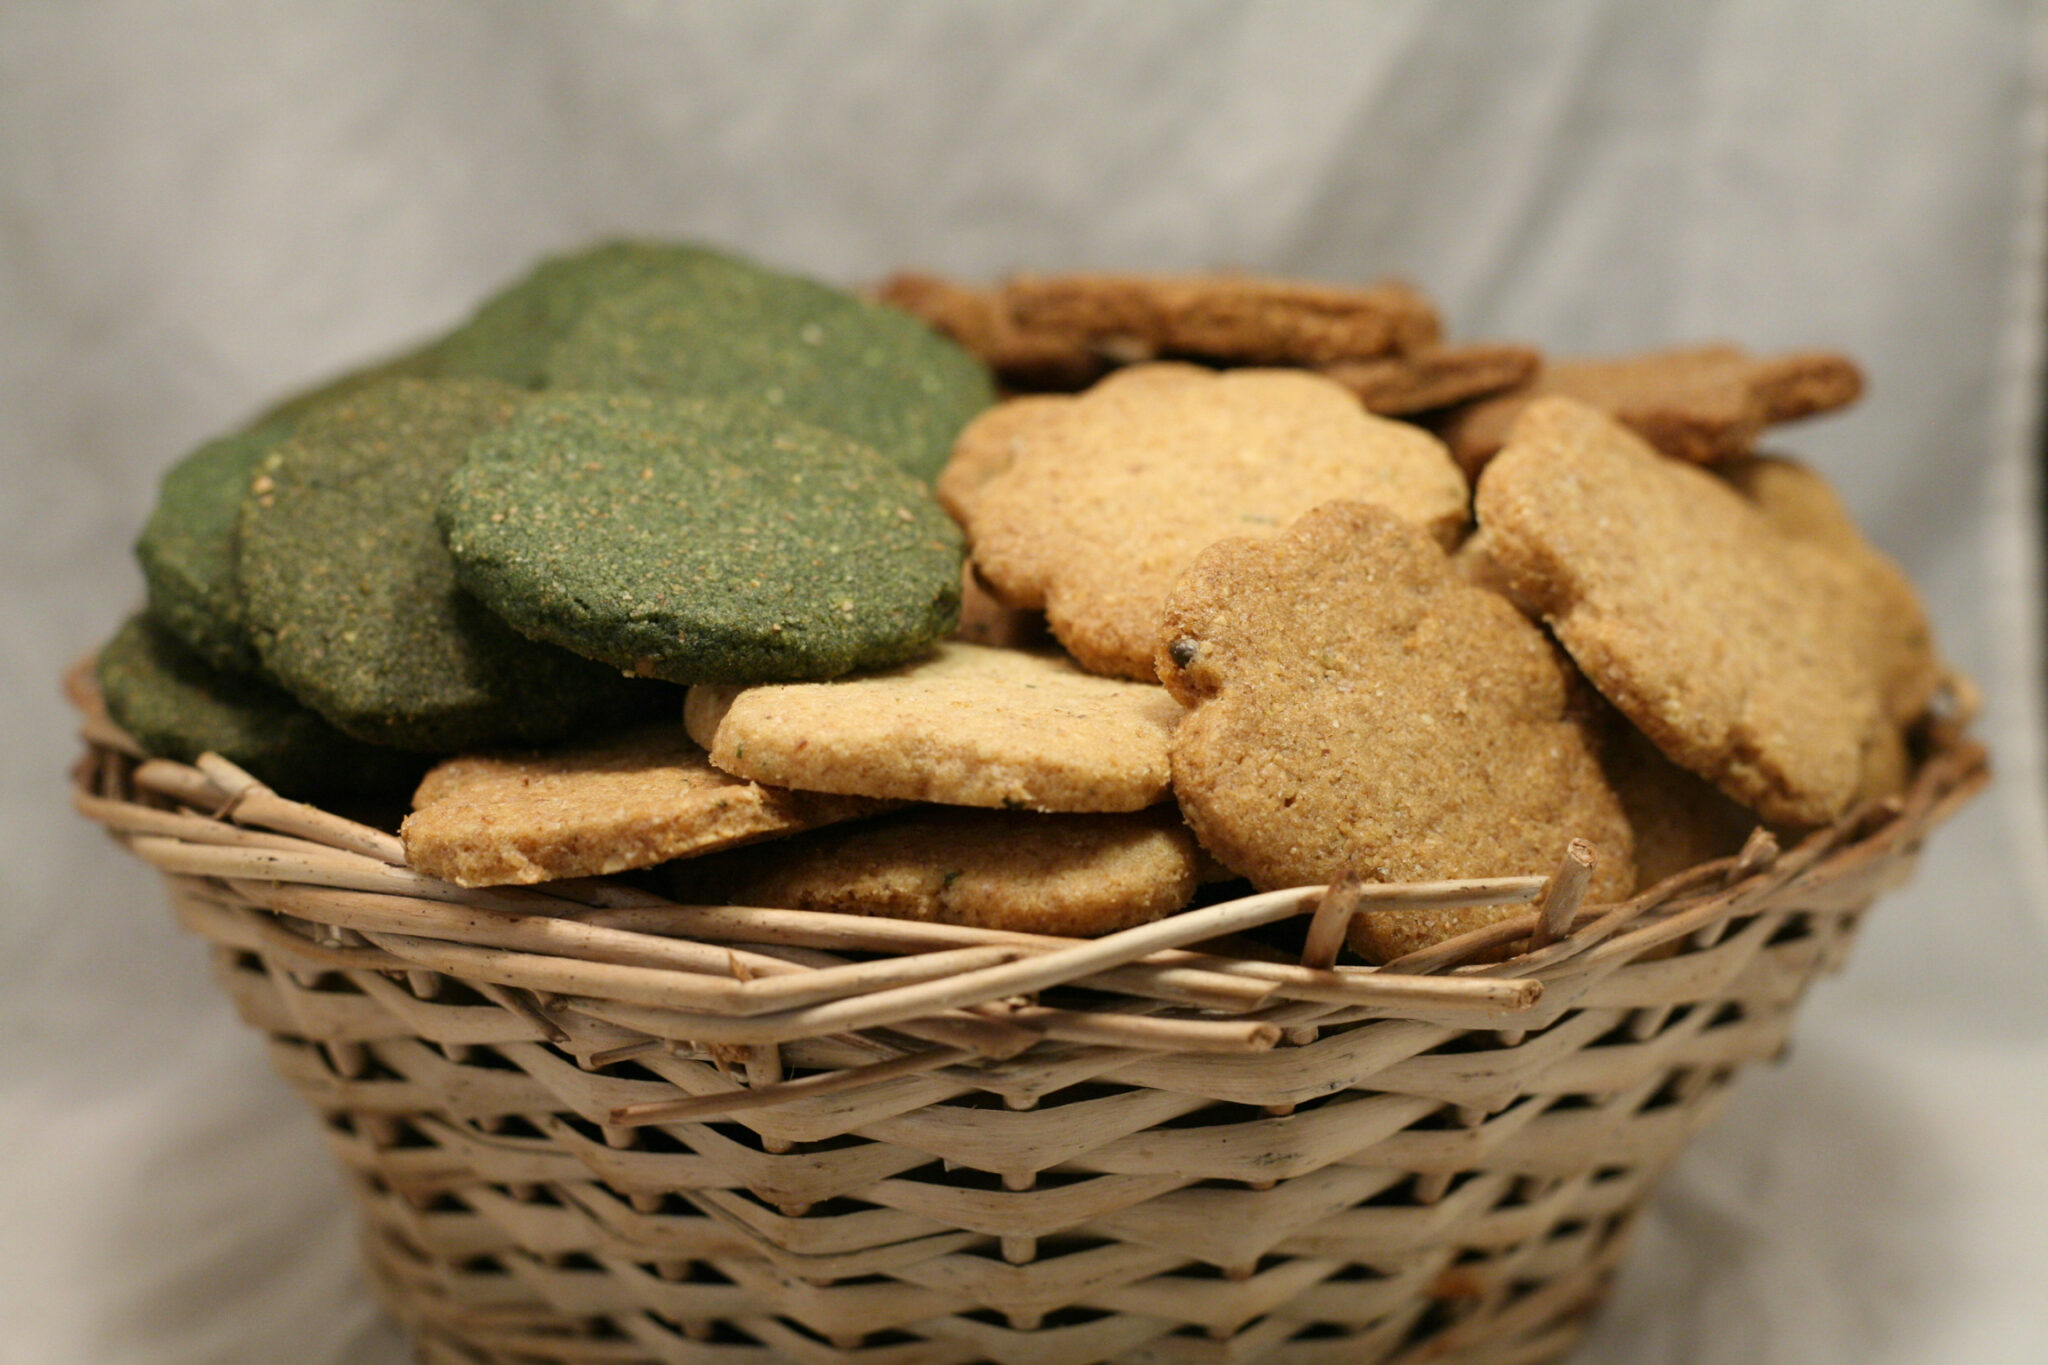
pixel 203 204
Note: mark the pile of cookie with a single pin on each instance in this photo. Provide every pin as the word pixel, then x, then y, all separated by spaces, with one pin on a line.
pixel 1231 583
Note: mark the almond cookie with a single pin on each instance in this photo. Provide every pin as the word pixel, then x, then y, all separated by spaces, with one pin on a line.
pixel 1109 496
pixel 633 801
pixel 1702 403
pixel 1071 875
pixel 1435 376
pixel 1239 319
pixel 970 726
pixel 1358 707
pixel 1732 645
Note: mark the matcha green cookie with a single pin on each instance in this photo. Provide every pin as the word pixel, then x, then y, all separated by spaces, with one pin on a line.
pixel 175 706
pixel 352 599
pixel 701 541
pixel 722 328
pixel 510 336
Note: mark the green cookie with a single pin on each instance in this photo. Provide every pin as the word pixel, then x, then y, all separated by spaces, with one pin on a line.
pixel 701 541
pixel 722 328
pixel 175 706
pixel 352 600
pixel 510 336
pixel 187 548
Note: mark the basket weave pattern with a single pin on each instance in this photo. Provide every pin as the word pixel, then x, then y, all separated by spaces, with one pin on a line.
pixel 583 1124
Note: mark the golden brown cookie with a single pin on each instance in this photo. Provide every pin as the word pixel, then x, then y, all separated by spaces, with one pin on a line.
pixel 979 320
pixel 1238 319
pixel 1679 821
pixel 1700 403
pixel 987 446
pixel 1728 642
pixel 1077 875
pixel 632 801
pixel 1111 495
pixel 1435 376
pixel 969 726
pixel 1799 501
pixel 1358 707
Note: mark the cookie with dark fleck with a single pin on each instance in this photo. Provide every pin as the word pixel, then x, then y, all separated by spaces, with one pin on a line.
pixel 1077 875
pixel 724 328
pixel 1107 497
pixel 352 599
pixel 1732 645
pixel 177 706
pixel 634 800
pixel 1357 706
pixel 701 541
pixel 1698 403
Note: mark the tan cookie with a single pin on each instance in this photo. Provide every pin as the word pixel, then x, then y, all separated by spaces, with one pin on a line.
pixel 1238 319
pixel 979 320
pixel 1702 403
pixel 986 621
pixel 1799 502
pixel 1435 376
pixel 1679 821
pixel 1357 706
pixel 1075 875
pixel 1731 644
pixel 969 726
pixel 988 445
pixel 632 801
pixel 1113 494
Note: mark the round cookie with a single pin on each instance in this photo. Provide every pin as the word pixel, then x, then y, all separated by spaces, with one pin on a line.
pixel 1075 875
pixel 1740 650
pixel 969 726
pixel 723 328
pixel 634 800
pixel 176 706
pixel 1108 497
pixel 701 541
pixel 187 547
pixel 511 335
pixel 1356 706
pixel 351 597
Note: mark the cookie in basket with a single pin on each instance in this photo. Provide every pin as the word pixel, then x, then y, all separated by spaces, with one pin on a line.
pixel 700 540
pixel 969 726
pixel 351 597
pixel 1075 875
pixel 634 800
pixel 177 706
pixel 1109 496
pixel 725 328
pixel 1738 649
pixel 1698 403
pixel 1799 501
pixel 1357 706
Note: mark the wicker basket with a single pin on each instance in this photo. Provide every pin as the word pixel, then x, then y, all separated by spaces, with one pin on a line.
pixel 584 1124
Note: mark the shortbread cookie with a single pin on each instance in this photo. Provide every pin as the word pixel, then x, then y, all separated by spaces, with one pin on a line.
pixel 1073 875
pixel 1435 377
pixel 980 322
pixel 1114 494
pixel 1799 502
pixel 1239 319
pixel 988 445
pixel 969 726
pixel 727 329
pixel 1358 707
pixel 1701 403
pixel 633 801
pixel 701 541
pixel 1731 644
pixel 177 706
pixel 351 597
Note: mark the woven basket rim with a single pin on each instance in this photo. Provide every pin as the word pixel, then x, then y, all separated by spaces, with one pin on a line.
pixel 931 996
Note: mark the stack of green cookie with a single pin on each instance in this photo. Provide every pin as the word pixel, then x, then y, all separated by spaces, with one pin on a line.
pixel 643 462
